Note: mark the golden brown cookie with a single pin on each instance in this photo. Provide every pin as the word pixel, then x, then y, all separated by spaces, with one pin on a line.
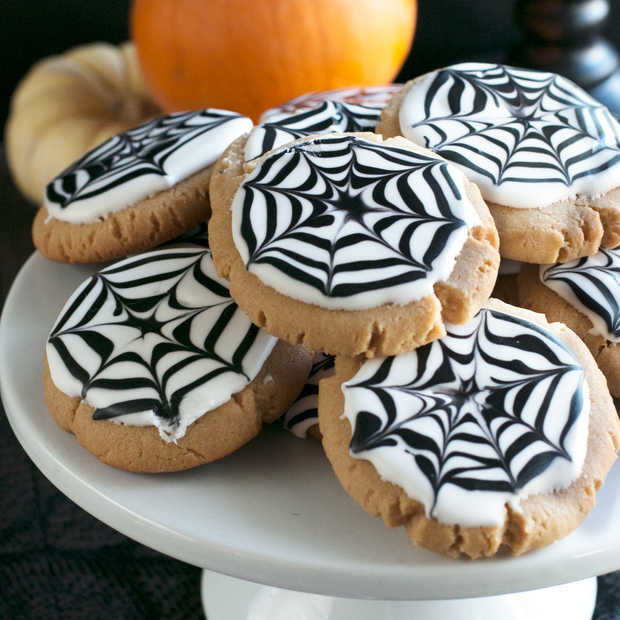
pixel 154 368
pixel 340 110
pixel 212 436
pixel 584 295
pixel 368 96
pixel 498 440
pixel 543 152
pixel 351 271
pixel 135 190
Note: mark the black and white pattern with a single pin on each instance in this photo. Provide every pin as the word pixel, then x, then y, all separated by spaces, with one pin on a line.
pixel 329 116
pixel 369 96
pixel 142 161
pixel 496 410
pixel 592 286
pixel 527 138
pixel 344 222
pixel 304 412
pixel 157 340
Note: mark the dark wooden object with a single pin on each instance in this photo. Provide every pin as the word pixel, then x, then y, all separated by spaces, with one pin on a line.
pixel 565 36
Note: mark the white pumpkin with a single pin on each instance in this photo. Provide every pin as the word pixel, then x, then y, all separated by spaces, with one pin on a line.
pixel 66 105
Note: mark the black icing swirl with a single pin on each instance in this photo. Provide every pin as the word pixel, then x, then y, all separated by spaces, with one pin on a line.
pixel 329 116
pixel 156 324
pixel 543 128
pixel 140 151
pixel 303 413
pixel 488 407
pixel 595 283
pixel 307 205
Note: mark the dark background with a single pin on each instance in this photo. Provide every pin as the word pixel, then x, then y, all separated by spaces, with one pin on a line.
pixel 56 561
pixel 448 31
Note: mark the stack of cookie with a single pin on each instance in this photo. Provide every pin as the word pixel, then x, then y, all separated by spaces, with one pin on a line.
pixel 473 423
pixel 148 346
pixel 546 157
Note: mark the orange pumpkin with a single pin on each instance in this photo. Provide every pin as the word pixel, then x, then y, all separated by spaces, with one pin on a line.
pixel 248 55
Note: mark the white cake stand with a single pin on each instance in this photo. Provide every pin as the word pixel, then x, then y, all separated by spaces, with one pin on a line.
pixel 274 514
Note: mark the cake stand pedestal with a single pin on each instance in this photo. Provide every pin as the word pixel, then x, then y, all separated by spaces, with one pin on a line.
pixel 227 598
pixel 273 513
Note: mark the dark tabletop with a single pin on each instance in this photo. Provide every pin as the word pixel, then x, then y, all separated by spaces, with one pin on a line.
pixel 57 561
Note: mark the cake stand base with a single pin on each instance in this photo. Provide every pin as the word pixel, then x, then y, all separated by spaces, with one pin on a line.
pixel 226 598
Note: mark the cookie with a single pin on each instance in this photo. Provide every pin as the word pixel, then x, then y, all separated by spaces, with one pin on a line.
pixel 585 295
pixel 497 435
pixel 154 368
pixel 302 417
pixel 545 154
pixel 136 189
pixel 349 244
pixel 329 116
pixel 340 111
pixel 370 96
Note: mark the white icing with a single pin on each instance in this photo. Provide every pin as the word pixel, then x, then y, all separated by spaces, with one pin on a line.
pixel 343 222
pixel 592 286
pixel 141 162
pixel 527 138
pixel 155 340
pixel 456 422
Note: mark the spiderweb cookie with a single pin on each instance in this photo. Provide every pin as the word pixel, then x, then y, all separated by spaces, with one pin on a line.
pixel 342 110
pixel 545 154
pixel 349 244
pixel 154 368
pixel 496 435
pixel 368 96
pixel 585 295
pixel 137 189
